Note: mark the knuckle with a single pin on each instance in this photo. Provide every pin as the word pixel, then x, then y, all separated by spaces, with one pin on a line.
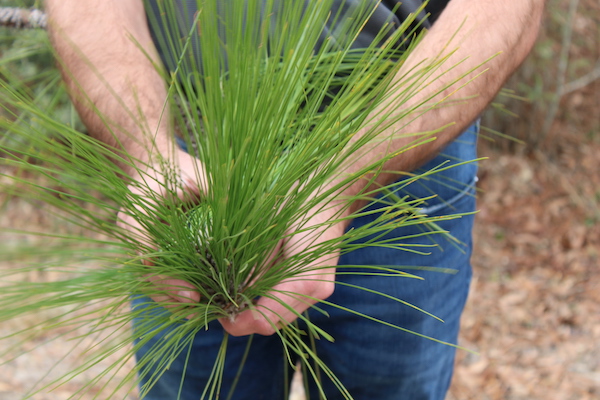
pixel 265 328
pixel 325 290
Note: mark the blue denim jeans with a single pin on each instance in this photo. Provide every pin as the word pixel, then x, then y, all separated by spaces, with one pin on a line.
pixel 372 360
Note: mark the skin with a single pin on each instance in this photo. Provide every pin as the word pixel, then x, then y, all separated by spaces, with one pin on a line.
pixel 99 33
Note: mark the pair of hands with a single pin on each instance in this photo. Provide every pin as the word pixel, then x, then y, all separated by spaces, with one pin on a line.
pixel 269 314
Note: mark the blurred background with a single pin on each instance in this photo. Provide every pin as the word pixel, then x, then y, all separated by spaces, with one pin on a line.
pixel 534 312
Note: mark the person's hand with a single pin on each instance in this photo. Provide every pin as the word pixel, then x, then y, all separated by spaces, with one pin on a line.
pixel 299 292
pixel 151 184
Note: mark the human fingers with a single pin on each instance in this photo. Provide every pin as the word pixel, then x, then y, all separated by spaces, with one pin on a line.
pixel 175 289
pixel 283 304
pixel 316 281
pixel 150 192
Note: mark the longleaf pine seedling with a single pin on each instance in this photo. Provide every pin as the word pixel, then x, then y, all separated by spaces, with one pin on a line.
pixel 270 109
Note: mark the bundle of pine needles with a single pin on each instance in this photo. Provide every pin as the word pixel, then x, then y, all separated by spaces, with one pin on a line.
pixel 270 109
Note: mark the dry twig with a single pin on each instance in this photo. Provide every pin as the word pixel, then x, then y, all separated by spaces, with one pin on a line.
pixel 15 17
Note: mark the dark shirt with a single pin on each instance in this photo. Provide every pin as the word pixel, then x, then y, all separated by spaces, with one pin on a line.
pixel 385 13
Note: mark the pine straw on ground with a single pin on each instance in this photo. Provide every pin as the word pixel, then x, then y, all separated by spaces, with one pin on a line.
pixel 534 310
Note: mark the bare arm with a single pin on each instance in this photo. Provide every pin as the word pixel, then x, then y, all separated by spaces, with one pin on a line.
pixel 108 61
pixel 99 47
pixel 479 30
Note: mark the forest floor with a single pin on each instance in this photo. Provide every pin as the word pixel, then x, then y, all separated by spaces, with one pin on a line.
pixel 533 316
pixel 534 311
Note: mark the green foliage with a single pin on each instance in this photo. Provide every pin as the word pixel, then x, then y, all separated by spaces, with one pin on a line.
pixel 272 125
pixel 27 63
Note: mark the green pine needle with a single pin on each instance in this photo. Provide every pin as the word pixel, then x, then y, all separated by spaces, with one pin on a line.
pixel 271 120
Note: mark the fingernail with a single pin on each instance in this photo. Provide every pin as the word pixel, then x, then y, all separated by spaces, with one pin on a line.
pixel 255 314
pixel 185 295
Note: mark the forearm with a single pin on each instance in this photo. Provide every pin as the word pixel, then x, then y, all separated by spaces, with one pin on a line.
pixel 479 31
pixel 115 87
